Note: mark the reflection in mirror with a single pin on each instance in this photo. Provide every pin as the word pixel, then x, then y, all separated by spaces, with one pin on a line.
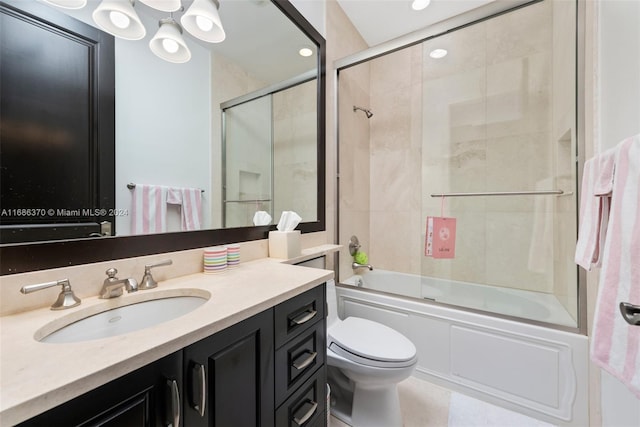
pixel 168 120
pixel 270 159
pixel 168 127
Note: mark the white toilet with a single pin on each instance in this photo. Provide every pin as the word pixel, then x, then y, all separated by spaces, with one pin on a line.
pixel 366 362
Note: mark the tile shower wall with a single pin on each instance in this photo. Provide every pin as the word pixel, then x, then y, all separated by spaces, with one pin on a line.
pixel 295 163
pixel 354 152
pixel 496 114
pixel 396 147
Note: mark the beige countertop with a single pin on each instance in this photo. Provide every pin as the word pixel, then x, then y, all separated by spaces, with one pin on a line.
pixel 35 376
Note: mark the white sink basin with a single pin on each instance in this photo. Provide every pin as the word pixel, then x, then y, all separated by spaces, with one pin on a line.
pixel 120 320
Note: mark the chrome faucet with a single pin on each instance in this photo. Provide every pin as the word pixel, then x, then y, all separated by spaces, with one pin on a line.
pixel 112 286
pixel 355 265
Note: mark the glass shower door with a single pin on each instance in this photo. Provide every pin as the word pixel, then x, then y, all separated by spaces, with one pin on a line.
pixel 248 162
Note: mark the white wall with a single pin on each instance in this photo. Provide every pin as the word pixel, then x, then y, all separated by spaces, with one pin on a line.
pixel 619 117
pixel 163 125
pixel 315 12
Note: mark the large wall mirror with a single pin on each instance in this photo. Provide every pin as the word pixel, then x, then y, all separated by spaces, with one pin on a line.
pixel 241 123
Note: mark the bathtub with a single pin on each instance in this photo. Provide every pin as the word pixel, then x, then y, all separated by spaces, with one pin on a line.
pixel 535 370
pixel 510 302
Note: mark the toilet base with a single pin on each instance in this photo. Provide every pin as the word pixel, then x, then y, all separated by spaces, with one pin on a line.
pixel 363 405
pixel 376 406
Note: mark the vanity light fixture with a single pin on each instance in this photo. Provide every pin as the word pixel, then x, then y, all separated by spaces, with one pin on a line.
pixel 119 19
pixel 202 20
pixel 168 43
pixel 68 4
pixel 438 53
pixel 163 5
pixel 420 4
pixel 305 51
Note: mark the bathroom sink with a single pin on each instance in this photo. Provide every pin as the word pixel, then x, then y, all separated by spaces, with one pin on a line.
pixel 108 321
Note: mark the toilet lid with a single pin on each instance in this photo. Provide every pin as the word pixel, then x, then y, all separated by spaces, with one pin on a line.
pixel 372 343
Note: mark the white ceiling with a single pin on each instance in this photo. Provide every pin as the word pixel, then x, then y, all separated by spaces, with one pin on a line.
pixel 381 20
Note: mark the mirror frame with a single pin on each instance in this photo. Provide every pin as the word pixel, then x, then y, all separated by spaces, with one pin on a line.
pixel 25 257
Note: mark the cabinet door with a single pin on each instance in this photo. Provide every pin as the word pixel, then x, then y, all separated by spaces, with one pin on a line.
pixel 229 376
pixel 57 115
pixel 147 397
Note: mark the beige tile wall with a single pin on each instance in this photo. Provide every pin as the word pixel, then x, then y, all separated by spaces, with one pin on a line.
pixel 487 117
pixel 353 87
pixel 295 159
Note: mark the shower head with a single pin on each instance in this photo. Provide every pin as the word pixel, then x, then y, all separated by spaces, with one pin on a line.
pixel 367 112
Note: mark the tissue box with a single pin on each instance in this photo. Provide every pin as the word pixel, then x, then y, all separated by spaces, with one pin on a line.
pixel 284 244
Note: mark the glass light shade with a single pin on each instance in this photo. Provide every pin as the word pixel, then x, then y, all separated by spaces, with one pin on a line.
pixel 168 43
pixel 119 19
pixel 202 20
pixel 163 5
pixel 68 4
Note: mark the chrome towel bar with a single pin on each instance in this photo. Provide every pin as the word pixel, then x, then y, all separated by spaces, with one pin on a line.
pixel 131 186
pixel 504 193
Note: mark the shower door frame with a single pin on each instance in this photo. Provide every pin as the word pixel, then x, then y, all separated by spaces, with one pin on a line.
pixel 472 17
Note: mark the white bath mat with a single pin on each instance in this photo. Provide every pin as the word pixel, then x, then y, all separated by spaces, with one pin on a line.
pixel 466 411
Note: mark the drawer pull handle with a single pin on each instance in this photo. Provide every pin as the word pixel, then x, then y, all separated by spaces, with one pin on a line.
pixel 200 401
pixel 174 407
pixel 304 317
pixel 304 418
pixel 299 365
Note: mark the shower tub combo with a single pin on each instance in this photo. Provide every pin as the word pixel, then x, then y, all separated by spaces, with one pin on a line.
pixel 532 369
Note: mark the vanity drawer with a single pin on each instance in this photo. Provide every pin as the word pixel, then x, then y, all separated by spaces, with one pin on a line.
pixel 307 405
pixel 298 359
pixel 297 314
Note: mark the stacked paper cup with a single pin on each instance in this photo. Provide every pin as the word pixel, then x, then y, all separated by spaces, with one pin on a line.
pixel 215 259
pixel 233 255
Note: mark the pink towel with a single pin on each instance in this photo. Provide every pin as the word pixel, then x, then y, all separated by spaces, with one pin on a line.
pixel 615 345
pixel 149 209
pixel 597 181
pixel 190 200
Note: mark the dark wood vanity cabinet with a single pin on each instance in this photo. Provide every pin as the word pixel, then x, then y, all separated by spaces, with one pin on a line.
pixel 229 376
pixel 147 397
pixel 301 376
pixel 268 370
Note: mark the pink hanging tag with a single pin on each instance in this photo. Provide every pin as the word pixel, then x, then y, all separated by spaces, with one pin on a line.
pixel 440 242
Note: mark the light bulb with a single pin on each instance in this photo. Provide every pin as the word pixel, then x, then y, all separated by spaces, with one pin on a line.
pixel 438 53
pixel 119 19
pixel 420 4
pixel 203 23
pixel 170 45
pixel 305 51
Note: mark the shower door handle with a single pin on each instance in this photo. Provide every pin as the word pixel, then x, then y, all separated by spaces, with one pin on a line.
pixel 631 313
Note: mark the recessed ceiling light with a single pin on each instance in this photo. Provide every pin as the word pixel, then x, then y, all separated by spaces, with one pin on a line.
pixel 305 51
pixel 420 4
pixel 438 53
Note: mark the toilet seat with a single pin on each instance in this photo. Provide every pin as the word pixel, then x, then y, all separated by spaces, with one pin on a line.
pixel 371 343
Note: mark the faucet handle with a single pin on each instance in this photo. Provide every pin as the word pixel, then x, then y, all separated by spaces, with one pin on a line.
pixel 148 282
pixel 66 297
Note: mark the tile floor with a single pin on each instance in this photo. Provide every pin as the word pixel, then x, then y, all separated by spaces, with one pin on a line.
pixel 427 405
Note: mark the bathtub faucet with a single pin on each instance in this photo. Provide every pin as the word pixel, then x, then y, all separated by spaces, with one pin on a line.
pixel 355 265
